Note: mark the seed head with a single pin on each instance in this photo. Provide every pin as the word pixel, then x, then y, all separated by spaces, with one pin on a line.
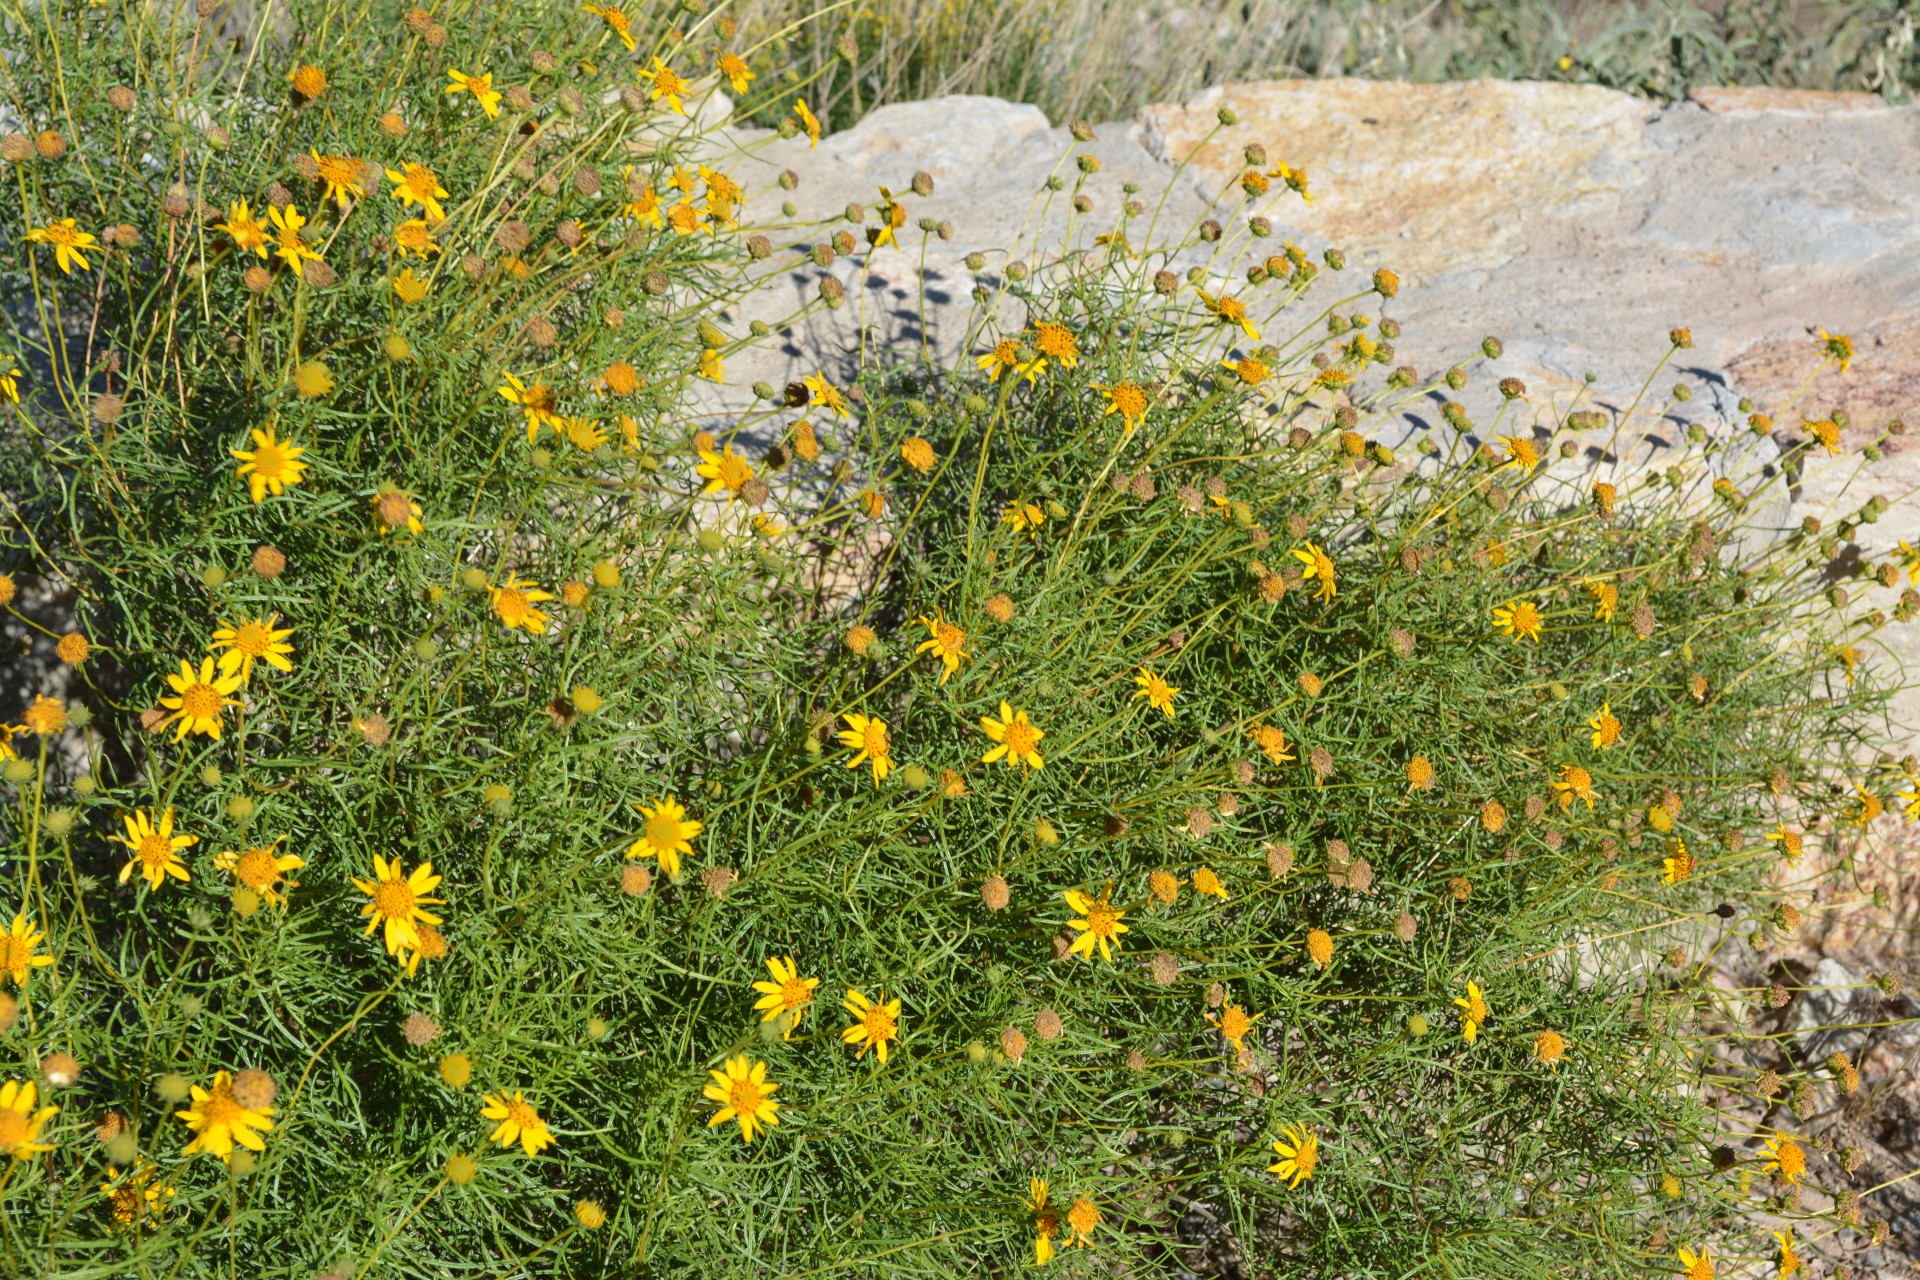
pixel 50 145
pixel 1279 861
pixel 461 1169
pixel 1199 822
pixel 1013 1043
pixel 635 879
pixel 1166 969
pixel 1046 1024
pixel 419 1029
pixel 995 894
pixel 456 1069
pixel 1404 926
pixel 1321 761
pixel 60 1070
pixel 254 1089
pixel 1642 620
pixel 717 880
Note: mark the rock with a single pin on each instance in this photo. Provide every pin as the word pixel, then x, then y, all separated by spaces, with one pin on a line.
pixel 1822 1015
pixel 1727 99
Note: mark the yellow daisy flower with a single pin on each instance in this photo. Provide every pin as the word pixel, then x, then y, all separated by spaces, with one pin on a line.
pixel 1097 922
pixel 946 641
pixel 340 177
pixel 1839 349
pixel 398 902
pixel 289 245
pixel 416 184
pixel 219 1120
pixel 668 834
pixel 271 465
pixel 1234 1024
pixel 667 84
pixel 1230 310
pixel 1046 1221
pixel 807 121
pixel 785 998
pixel 248 233
pixel 1473 1012
pixel 252 640
pixel 1791 843
pixel 725 471
pixel 156 850
pixel 1299 1150
pixel 1017 736
pixel 262 870
pixel 1024 517
pixel 617 22
pixel 1518 620
pixel 1573 783
pixel 1157 692
pixel 519 1121
pixel 537 402
pixel 825 395
pixel 867 737
pixel 1786 1158
pixel 1678 864
pixel 1318 566
pixel 67 240
pixel 10 379
pixel 137 1196
pixel 199 700
pixel 17 950
pixel 735 69
pixel 878 1022
pixel 1129 400
pixel 744 1094
pixel 1605 726
pixel 514 603
pixel 1790 1264
pixel 480 86
pixel 1699 1266
pixel 20 1124
pixel 1272 742
pixel 1083 1215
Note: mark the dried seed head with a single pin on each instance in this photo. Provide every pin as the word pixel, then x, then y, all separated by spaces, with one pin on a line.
pixel 1199 822
pixel 1046 1024
pixel 717 880
pixel 1000 607
pixel 375 729
pixel 1136 1060
pixel 1113 826
pixel 1405 927
pixel 121 97
pixel 586 180
pixel 1643 620
pixel 60 1070
pixel 419 1029
pixel 1321 761
pixel 1216 995
pixel 254 1089
pixel 995 894
pixel 1166 969
pixel 1243 772
pixel 1273 588
pixel 269 562
pixel 1142 487
pixel 635 879
pixel 1536 805
pixel 318 274
pixel 1013 1043
pixel 1227 803
pixel 1279 861
pixel 16 147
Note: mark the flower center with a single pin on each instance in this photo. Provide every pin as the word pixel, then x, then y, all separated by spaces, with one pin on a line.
pixel 1100 921
pixel 512 604
pixel 878 1024
pixel 745 1097
pixel 61 234
pixel 201 702
pixel 13 1129
pixel 14 952
pixel 1083 1217
pixel 257 869
pixel 794 993
pixel 220 1109
pixel 663 831
pixel 734 472
pixel 394 899
pixel 873 739
pixel 1236 1023
pixel 951 638
pixel 252 639
pixel 422 180
pixel 1020 739
pixel 1047 1222
pixel 155 850
pixel 1054 340
pixel 270 460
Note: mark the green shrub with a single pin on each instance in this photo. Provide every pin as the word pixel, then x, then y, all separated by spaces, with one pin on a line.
pixel 1398 766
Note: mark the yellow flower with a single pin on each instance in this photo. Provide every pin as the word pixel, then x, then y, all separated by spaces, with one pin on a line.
pixel 1473 1012
pixel 807 121
pixel 1699 1265
pixel 1129 400
pixel 480 86
pixel 1910 798
pixel 399 902
pixel 408 287
pixel 946 641
pixel 1791 843
pixel 1018 737
pixel 249 641
pixel 712 367
pixel 10 381
pixel 289 246
pixel 1046 1221
pixel 1055 341
pixel 744 1094
pixel 668 834
pixel 537 402
pixel 1206 882
pixel 825 394
pixel 918 454
pixel 787 996
pixel 519 1122
pixel 1234 1024
pixel 1574 783
pixel 1318 567
pixel 1083 1215
pixel 1006 355
pixel 262 870
pixel 1606 598
pixel 1251 370
pixel 1296 179
pixel 219 1120
pixel 1786 1158
pixel 340 177
pixel 140 1198
pixel 1549 1047
pixel 644 207
pixel 248 233
pixel 17 950
pixel 415 237
pixel 1320 947
pixel 20 1124
pixel 199 700
pixel 308 81
pixel 1839 349
pixel 514 603
pixel 735 69
pixel 1097 922
pixel 1790 1263
pixel 1908 556
pixel 1024 517
pixel 1518 620
pixel 1158 693
pixel 584 434
pixel 1299 1150
pixel 867 737
pixel 67 240
pixel 1272 742
pixel 416 184
pixel 666 84
pixel 44 716
pixel 725 470
pixel 156 850
pixel 1606 728
pixel 879 1022
pixel 1678 864
pixel 617 22
pixel 1230 310
pixel 394 509
pixel 1521 452
pixel 271 465
pixel 1826 431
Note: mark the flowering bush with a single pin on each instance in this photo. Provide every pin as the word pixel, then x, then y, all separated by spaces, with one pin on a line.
pixel 1114 802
